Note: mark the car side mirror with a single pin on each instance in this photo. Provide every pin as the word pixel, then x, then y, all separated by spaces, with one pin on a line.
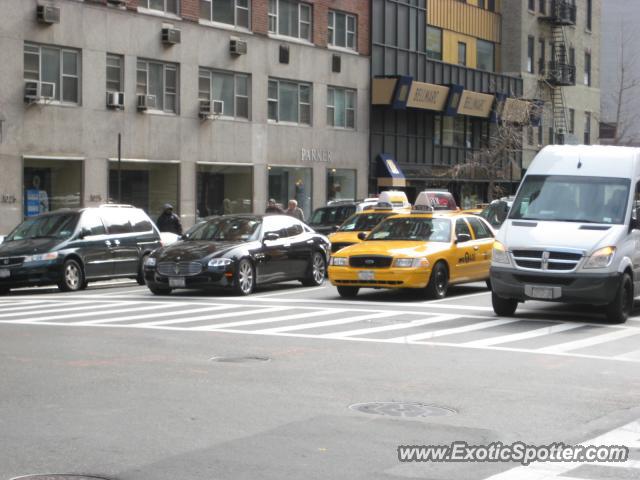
pixel 362 236
pixel 635 223
pixel 463 237
pixel 271 236
pixel 85 232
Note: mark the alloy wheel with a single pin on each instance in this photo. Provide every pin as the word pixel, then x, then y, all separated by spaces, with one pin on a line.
pixel 245 277
pixel 318 268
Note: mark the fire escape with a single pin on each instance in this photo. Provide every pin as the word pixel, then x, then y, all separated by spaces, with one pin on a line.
pixel 560 71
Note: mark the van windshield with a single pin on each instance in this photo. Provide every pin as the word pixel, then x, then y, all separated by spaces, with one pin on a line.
pixel 46 226
pixel 565 198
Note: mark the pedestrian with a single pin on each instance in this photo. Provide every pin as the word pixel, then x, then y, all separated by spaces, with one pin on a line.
pixel 273 207
pixel 294 211
pixel 169 221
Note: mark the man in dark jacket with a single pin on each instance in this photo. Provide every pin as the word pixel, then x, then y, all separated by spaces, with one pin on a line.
pixel 169 221
pixel 273 207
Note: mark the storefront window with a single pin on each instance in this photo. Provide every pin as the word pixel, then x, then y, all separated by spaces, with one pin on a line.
pixel 223 189
pixel 341 184
pixel 287 183
pixel 51 184
pixel 146 185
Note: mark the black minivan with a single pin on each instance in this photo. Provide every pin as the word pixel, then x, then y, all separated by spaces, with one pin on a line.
pixel 71 247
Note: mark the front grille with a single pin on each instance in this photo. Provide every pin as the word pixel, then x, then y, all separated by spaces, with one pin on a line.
pixel 546 260
pixel 11 261
pixel 369 282
pixel 337 246
pixel 540 280
pixel 180 269
pixel 370 262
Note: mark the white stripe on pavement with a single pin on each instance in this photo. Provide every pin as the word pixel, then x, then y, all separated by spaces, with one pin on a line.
pixel 83 314
pixel 258 311
pixel 514 337
pixel 153 315
pixel 634 355
pixel 450 331
pixel 328 311
pixel 43 305
pixel 591 341
pixel 293 328
pixel 387 328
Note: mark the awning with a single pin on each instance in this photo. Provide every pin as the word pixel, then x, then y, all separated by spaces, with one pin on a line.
pixel 388 173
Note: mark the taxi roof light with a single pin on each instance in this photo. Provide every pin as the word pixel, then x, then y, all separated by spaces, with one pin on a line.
pixel 440 200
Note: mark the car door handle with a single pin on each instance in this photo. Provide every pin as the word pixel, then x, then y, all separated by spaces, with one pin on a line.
pixel 309 242
pixel 287 245
pixel 117 242
pixel 107 243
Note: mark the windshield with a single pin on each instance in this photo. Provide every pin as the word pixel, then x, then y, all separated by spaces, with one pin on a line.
pixel 363 222
pixel 572 199
pixel 48 226
pixel 413 229
pixel 331 215
pixel 232 229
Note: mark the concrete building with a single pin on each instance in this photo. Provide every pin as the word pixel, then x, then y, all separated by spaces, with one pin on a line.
pixel 554 45
pixel 620 73
pixel 436 92
pixel 220 105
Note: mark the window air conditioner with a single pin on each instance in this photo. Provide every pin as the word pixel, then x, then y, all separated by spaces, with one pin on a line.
pixel 115 100
pixel 237 47
pixel 146 102
pixel 170 36
pixel 48 14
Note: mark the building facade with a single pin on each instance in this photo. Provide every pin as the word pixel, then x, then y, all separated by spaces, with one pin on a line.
pixel 620 73
pixel 554 45
pixel 219 105
pixel 436 91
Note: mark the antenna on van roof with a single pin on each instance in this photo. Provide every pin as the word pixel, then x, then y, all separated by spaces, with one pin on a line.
pixel 579 162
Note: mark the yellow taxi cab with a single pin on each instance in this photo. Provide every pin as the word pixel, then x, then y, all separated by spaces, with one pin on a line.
pixel 419 250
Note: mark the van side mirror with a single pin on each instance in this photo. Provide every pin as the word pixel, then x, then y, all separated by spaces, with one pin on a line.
pixel 463 237
pixel 635 222
pixel 362 236
pixel 270 236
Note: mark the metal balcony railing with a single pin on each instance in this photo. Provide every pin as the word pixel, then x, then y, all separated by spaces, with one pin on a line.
pixel 561 74
pixel 562 13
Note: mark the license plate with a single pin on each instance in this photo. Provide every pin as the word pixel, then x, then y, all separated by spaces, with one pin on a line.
pixel 543 293
pixel 176 282
pixel 4 273
pixel 366 275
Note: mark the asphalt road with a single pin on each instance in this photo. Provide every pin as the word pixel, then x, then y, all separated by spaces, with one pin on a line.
pixel 118 383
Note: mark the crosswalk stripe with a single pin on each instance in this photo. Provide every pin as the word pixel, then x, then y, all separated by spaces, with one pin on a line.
pixel 589 342
pixel 634 355
pixel 514 337
pixel 64 308
pixel 82 314
pixel 258 311
pixel 151 315
pixel 450 331
pixel 306 326
pixel 45 305
pixel 387 328
pixel 269 320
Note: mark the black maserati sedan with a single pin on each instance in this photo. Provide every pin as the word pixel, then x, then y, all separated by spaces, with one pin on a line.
pixel 239 252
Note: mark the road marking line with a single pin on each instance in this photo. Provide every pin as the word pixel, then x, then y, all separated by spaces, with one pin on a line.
pixel 457 297
pixel 289 291
pixel 634 355
pixel 588 342
pixel 538 332
pixel 82 314
pixel 450 331
pixel 269 320
pixel 59 308
pixel 328 323
pixel 214 317
pixel 386 328
pixel 152 315
pixel 44 305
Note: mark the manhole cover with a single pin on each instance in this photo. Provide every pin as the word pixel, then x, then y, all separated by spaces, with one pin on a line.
pixel 402 409
pixel 240 359
pixel 56 476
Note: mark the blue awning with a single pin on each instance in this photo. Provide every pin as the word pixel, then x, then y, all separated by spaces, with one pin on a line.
pixel 388 172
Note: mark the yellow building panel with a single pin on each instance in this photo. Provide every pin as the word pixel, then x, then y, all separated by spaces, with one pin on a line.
pixel 465 18
pixel 450 42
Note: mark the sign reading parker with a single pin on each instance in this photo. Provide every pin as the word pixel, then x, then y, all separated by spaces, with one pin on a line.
pixel 314 155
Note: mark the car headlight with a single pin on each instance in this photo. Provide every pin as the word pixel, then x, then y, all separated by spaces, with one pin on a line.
pixel 339 261
pixel 410 262
pixel 499 254
pixel 601 258
pixel 44 257
pixel 150 262
pixel 219 262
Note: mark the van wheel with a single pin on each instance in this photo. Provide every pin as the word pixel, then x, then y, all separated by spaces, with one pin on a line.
pixel 348 292
pixel 159 290
pixel 620 308
pixel 140 278
pixel 72 277
pixel 504 307
pixel 438 282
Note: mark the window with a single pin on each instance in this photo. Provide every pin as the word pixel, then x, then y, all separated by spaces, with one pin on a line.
pixel 572 120
pixel 541 61
pixel 57 66
pixel 587 128
pixel 540 135
pixel 341 108
pixel 456 132
pixel 434 43
pixel 529 135
pixel 342 30
pixel 341 184
pixel 481 3
pixel 166 6
pixel 462 53
pixel 92 222
pixel 491 5
pixel 587 69
pixel 290 18
pixel 51 184
pixel 223 189
pixel 232 89
pixel 572 56
pixel 532 5
pixel 115 69
pixel 462 228
pixel 231 12
pixel 289 102
pixel 589 14
pixel 485 54
pixel 479 228
pixel 161 81
pixel 543 6
pixel 530 54
pixel 290 183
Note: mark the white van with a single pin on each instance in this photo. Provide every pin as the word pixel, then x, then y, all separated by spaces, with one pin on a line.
pixel 572 234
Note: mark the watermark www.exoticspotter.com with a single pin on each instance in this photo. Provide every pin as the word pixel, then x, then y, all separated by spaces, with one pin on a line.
pixel 518 452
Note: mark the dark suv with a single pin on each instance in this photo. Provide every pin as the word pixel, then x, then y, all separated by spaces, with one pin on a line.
pixel 71 247
pixel 326 220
